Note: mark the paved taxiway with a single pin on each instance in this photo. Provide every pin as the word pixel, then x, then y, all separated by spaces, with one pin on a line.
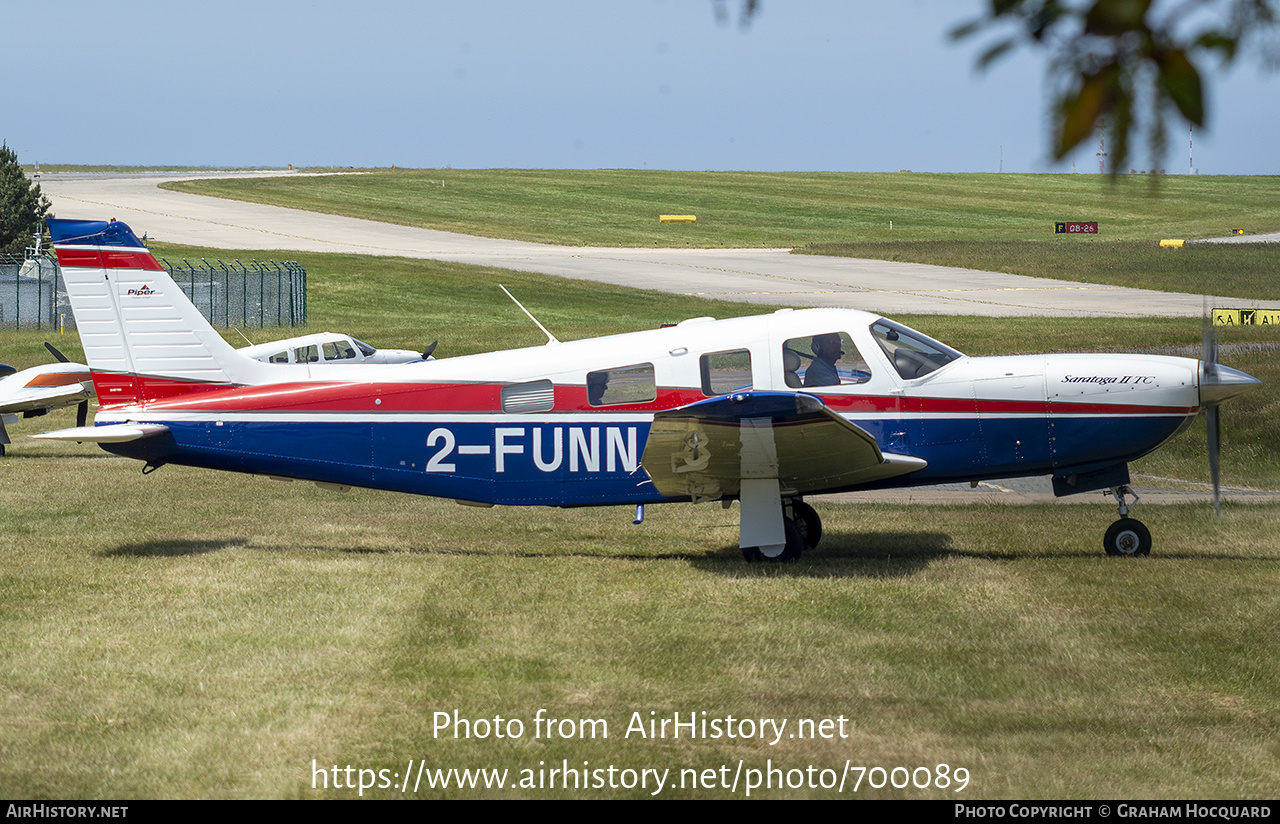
pixel 770 276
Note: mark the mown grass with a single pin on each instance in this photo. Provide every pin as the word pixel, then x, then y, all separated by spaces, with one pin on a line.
pixel 1231 270
pixel 620 207
pixel 197 634
pixel 192 634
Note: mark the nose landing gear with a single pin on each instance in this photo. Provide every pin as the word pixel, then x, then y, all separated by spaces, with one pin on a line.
pixel 1127 536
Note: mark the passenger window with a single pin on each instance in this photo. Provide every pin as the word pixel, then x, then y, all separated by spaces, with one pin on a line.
pixel 829 359
pixel 534 396
pixel 279 357
pixel 306 354
pixel 724 372
pixel 626 384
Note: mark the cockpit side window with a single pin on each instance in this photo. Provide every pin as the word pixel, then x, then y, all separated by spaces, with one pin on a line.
pixel 829 359
pixel 912 354
pixel 724 372
pixel 338 350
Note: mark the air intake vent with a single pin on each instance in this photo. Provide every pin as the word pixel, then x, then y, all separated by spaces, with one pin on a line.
pixel 535 396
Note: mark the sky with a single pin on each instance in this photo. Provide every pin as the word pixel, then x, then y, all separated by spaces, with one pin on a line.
pixel 808 85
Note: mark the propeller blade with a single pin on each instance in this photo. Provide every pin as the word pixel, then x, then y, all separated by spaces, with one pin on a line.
pixel 426 353
pixel 1213 425
pixel 82 413
pixel 61 357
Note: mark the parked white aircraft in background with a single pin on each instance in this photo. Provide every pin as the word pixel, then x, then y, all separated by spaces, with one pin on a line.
pixel 330 348
pixel 35 391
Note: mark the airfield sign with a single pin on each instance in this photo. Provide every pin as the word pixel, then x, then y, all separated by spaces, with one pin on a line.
pixel 1246 317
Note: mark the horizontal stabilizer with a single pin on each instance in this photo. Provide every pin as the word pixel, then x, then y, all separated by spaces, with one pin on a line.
pixel 111 433
pixel 706 449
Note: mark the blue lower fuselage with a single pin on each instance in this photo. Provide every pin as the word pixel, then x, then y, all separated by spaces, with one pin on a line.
pixel 578 462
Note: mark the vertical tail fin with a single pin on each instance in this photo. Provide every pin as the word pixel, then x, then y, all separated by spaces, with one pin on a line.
pixel 143 339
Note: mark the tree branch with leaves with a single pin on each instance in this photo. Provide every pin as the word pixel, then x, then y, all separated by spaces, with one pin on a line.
pixel 1109 57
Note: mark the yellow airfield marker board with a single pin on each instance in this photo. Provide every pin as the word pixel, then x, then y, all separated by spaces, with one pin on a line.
pixel 1246 317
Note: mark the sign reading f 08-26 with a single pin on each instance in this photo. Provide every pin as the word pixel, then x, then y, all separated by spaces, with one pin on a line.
pixel 1075 227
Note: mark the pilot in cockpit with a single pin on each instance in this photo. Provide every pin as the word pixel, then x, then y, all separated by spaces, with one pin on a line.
pixel 826 351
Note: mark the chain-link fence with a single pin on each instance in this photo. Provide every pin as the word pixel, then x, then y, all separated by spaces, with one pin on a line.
pixel 253 295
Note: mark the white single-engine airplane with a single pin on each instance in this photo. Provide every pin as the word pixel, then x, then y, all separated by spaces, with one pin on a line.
pixel 38 390
pixel 330 348
pixel 763 409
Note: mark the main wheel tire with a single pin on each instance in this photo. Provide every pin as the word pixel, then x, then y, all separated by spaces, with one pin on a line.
pixel 808 522
pixel 1127 537
pixel 790 552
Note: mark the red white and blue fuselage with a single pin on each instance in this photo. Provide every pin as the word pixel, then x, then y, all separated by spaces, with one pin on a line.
pixel 522 426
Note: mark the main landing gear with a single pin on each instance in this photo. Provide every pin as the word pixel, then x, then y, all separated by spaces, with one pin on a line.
pixel 1127 536
pixel 803 530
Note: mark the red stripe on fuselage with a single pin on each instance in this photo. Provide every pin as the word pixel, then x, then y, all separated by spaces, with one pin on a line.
pixel 107 258
pixel 487 397
pixel 114 389
pixel 398 397
pixel 915 406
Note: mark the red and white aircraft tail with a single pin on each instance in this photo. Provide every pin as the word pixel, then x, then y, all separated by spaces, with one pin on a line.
pixel 143 339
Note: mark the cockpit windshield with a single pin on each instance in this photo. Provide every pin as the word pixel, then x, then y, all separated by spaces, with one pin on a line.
pixel 914 355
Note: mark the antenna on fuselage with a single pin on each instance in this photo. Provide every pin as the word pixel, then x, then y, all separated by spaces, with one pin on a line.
pixel 550 337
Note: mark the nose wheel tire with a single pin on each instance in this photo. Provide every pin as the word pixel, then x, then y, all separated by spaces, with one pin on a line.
pixel 1127 536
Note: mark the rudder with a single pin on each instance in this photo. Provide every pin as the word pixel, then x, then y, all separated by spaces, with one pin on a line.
pixel 143 339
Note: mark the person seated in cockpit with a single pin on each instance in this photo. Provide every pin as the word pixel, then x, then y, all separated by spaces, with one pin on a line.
pixel 597 385
pixel 822 370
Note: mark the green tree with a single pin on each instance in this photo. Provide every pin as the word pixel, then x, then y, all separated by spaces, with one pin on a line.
pixel 1110 57
pixel 22 206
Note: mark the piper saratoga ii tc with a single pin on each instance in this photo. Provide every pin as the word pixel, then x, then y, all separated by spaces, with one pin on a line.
pixel 765 410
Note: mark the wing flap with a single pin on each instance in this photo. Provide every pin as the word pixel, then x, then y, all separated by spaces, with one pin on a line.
pixel 706 449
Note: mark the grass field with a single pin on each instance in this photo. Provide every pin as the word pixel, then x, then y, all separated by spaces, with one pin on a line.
pixel 1226 270
pixel 196 634
pixel 192 634
pixel 620 207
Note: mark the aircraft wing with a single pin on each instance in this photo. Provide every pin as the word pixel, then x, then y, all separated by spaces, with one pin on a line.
pixel 45 398
pixel 45 387
pixel 706 449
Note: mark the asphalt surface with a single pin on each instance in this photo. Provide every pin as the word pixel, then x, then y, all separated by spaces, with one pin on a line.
pixel 771 276
pixel 768 276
